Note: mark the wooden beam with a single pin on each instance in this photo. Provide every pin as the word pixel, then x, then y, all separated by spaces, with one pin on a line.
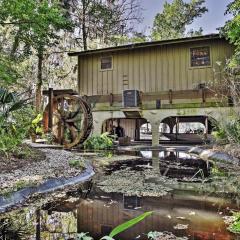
pixel 50 109
pixel 111 99
pixel 170 96
pixel 60 92
pixel 203 92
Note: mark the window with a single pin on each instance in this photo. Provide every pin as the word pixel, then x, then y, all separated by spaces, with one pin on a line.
pixel 200 56
pixel 106 63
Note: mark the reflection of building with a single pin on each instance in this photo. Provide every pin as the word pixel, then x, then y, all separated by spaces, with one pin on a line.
pixel 170 79
pixel 100 215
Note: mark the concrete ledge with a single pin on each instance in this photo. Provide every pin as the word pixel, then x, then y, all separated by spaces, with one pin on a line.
pixel 209 154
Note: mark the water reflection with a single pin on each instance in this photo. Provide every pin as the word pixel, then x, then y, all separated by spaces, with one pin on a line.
pixel 201 216
pixel 173 164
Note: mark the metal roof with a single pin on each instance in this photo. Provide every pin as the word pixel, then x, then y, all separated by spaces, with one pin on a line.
pixel 145 45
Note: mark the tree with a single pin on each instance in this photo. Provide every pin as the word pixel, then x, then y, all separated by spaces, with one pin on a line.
pixel 8 73
pixel 232 29
pixel 172 22
pixel 102 20
pixel 37 24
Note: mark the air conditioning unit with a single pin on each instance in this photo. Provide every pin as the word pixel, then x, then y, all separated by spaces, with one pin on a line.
pixel 131 98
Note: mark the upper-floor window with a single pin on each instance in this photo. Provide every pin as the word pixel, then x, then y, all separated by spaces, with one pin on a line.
pixel 200 57
pixel 106 63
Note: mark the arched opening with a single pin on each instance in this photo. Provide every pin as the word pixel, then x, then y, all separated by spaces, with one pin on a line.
pixel 188 128
pixel 146 131
pixel 129 127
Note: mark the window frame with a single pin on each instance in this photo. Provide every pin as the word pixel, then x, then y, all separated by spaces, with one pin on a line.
pixel 190 57
pixel 100 65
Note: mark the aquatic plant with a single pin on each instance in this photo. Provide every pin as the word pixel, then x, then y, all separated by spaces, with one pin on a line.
pixel 120 228
pixel 128 224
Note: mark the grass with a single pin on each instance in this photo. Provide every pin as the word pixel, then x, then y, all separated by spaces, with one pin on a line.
pixel 234 227
pixel 18 186
pixel 78 164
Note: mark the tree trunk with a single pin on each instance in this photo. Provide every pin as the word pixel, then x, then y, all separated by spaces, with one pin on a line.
pixel 39 83
pixel 15 45
pixel 84 31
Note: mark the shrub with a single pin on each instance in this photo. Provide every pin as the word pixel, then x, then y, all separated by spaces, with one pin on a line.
pixel 99 142
pixel 228 130
pixel 78 164
pixel 235 224
pixel 15 119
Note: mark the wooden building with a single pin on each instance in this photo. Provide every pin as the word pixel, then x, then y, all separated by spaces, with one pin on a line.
pixel 171 76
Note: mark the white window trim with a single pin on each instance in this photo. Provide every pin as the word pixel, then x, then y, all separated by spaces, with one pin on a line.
pixel 190 57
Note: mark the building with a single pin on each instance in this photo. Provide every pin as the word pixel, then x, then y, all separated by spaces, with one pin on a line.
pixel 171 77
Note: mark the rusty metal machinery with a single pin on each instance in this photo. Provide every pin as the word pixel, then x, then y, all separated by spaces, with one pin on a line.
pixel 69 118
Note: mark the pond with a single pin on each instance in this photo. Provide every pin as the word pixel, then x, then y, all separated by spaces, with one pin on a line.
pixel 189 197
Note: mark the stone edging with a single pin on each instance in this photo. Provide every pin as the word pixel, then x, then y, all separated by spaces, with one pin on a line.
pixel 209 154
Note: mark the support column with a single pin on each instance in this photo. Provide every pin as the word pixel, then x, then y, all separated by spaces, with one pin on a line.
pixel 177 127
pixel 206 128
pixel 155 133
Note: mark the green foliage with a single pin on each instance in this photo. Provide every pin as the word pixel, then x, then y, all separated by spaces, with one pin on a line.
pixel 10 102
pixel 76 164
pixel 129 224
pixel 228 130
pixel 15 120
pixel 36 126
pixel 121 228
pixel 220 134
pixel 83 236
pixel 99 142
pixel 172 22
pixel 232 29
pixel 235 225
pixel 8 73
pixel 35 21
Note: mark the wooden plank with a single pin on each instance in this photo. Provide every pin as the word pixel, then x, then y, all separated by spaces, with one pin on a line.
pixel 142 81
pixel 85 78
pixel 60 92
pixel 165 70
pixel 131 70
pixel 147 70
pixel 100 77
pixel 50 109
pixel 90 75
pixel 115 80
pixel 95 75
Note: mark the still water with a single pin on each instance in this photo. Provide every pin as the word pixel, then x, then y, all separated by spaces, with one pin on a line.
pixel 188 204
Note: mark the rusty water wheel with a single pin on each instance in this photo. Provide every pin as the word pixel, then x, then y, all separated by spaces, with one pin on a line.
pixel 72 120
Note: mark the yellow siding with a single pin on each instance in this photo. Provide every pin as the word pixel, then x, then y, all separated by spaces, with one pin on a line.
pixel 152 69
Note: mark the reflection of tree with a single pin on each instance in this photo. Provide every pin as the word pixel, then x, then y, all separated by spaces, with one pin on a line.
pixel 17 226
pixel 155 161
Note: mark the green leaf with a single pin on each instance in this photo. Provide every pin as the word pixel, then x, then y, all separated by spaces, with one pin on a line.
pixel 129 224
pixel 106 238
